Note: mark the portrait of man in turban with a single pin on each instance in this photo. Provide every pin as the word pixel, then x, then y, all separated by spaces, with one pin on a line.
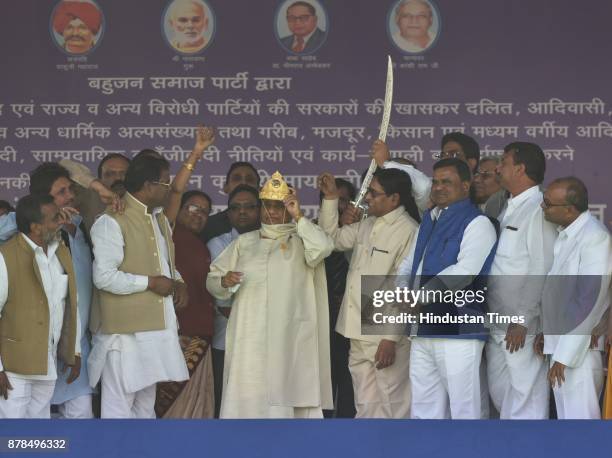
pixel 78 25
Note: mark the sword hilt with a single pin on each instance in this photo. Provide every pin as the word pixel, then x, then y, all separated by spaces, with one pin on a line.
pixel 359 203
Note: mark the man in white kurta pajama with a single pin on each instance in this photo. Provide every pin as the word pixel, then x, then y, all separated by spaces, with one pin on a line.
pixel 277 343
pixel 576 296
pixel 517 376
pixel 136 342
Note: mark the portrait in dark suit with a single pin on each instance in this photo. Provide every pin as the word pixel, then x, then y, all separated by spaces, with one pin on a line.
pixel 307 33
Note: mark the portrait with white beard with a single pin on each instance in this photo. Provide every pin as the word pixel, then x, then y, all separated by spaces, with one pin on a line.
pixel 188 25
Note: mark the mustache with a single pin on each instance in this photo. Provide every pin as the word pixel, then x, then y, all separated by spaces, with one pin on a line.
pixel 51 237
pixel 75 38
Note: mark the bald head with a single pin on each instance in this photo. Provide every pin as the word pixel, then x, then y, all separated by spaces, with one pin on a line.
pixel 565 200
pixel 576 193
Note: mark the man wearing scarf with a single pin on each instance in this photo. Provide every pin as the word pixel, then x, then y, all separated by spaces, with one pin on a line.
pixel 277 344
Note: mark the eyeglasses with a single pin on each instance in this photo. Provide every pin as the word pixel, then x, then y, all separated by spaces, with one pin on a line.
pixel 238 207
pixel 167 185
pixel 197 210
pixel 484 174
pixel 546 204
pixel 65 191
pixel 375 194
pixel 302 18
pixel 448 155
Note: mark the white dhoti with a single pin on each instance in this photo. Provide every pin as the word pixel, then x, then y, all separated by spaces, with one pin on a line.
pixel 578 396
pixel 77 408
pixel 380 393
pixel 28 398
pixel 445 378
pixel 517 381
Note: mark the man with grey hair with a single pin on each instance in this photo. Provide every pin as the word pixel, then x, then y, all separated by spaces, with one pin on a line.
pixel 575 298
pixel 188 20
pixel 414 18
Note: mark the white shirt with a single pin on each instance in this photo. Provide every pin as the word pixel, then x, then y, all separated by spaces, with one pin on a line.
pixel 523 258
pixel 478 239
pixel 216 246
pixel 378 244
pixel 147 357
pixel 55 285
pixel 582 249
pixel 421 183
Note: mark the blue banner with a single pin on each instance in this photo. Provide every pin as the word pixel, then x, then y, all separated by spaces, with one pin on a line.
pixel 317 438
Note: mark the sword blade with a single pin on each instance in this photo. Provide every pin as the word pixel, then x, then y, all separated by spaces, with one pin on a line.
pixel 382 133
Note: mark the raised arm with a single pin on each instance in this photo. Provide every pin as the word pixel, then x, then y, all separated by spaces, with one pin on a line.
pixel 421 183
pixel 345 237
pixel 317 244
pixel 204 137
pixel 82 176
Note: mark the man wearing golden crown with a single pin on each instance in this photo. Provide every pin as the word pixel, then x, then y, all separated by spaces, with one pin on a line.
pixel 277 344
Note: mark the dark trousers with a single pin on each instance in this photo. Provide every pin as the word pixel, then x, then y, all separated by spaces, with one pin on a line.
pixel 342 384
pixel 217 360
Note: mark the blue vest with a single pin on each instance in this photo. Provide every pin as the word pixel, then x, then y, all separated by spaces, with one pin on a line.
pixel 438 244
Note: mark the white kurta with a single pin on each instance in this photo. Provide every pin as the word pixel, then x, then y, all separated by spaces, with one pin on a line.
pixel 576 295
pixel 517 381
pixel 277 343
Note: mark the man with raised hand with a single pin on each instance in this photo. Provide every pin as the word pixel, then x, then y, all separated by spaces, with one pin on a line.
pixel 378 363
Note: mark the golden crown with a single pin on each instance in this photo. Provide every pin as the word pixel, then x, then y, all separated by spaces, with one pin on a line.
pixel 276 188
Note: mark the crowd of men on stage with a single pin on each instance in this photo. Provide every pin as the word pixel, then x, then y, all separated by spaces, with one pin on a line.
pixel 122 297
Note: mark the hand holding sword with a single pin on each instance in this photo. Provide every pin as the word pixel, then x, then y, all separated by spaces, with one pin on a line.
pixel 380 153
pixel 378 150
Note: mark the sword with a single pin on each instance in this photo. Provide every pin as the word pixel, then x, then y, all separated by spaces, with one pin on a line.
pixel 382 134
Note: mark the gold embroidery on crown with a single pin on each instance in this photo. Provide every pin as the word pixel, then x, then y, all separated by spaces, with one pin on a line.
pixel 276 188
